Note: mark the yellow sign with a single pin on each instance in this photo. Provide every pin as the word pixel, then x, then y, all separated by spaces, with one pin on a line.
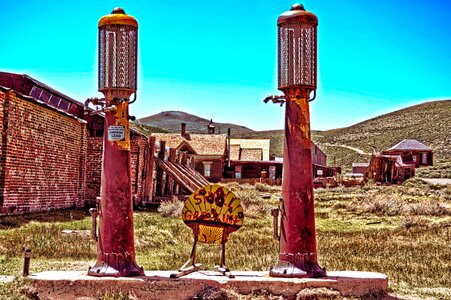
pixel 214 209
pixel 121 117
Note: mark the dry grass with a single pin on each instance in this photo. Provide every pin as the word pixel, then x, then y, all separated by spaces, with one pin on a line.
pixel 402 231
pixel 440 169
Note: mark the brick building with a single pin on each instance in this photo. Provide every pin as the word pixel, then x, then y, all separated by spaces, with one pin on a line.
pixel 51 150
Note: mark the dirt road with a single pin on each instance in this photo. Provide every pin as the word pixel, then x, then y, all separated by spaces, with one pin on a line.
pixel 442 181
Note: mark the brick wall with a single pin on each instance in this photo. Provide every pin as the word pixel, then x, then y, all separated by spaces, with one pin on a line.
pixel 3 109
pixel 42 151
pixel 48 161
pixel 93 169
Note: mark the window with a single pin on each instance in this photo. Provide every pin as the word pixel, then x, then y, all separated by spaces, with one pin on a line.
pixel 424 158
pixel 35 92
pixel 45 96
pixel 49 98
pixel 238 171
pixel 54 100
pixel 272 172
pixel 64 105
pixel 207 168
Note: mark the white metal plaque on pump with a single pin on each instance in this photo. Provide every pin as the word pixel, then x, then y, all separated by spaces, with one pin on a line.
pixel 116 133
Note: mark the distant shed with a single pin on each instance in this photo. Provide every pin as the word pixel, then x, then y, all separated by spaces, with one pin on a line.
pixel 389 169
pixel 412 152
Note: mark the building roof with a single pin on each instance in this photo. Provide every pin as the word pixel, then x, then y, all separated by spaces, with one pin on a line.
pixel 410 145
pixel 235 152
pixel 31 89
pixel 27 85
pixel 251 154
pixel 360 164
pixel 41 103
pixel 202 144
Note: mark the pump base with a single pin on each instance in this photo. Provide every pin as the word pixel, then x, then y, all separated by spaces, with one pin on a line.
pixel 297 266
pixel 115 265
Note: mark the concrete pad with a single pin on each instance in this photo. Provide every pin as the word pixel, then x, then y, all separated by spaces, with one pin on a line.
pixel 158 285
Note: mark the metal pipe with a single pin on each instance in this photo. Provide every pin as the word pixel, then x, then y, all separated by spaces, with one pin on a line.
pixel 94 213
pixel 228 147
pixel 134 99
pixel 275 216
pixel 27 258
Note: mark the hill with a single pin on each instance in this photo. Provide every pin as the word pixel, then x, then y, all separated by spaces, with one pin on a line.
pixel 429 122
pixel 170 121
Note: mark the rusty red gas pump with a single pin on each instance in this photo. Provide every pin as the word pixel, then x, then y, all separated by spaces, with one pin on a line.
pixel 297 72
pixel 118 49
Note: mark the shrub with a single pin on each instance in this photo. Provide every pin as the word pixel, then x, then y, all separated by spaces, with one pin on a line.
pixel 171 208
pixel 399 204
pixel 266 188
pixel 413 221
pixel 253 204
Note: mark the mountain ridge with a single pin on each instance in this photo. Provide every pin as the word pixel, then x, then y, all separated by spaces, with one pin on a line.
pixel 170 121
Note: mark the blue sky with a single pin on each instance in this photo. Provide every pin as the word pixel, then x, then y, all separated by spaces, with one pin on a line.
pixel 217 59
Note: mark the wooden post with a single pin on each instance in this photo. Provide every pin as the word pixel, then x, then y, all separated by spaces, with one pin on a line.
pixel 168 189
pixel 148 170
pixel 160 172
pixel 176 190
pixel 183 160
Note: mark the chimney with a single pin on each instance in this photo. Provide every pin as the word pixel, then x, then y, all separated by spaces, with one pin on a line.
pixel 183 133
pixel 228 147
pixel 211 127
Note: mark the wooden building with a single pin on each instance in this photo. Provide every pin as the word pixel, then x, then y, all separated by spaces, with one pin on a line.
pixel 249 159
pixel 318 156
pixel 389 169
pixel 412 152
pixel 207 151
